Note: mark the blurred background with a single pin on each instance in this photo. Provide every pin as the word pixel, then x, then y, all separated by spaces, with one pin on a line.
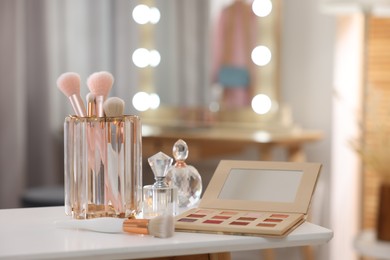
pixel 324 61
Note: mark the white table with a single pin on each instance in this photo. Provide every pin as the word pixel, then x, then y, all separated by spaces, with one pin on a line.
pixel 30 233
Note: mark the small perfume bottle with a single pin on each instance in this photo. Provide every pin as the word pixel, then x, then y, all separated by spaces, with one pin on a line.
pixel 185 177
pixel 159 198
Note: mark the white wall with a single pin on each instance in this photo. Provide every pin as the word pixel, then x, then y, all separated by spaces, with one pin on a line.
pixel 308 38
pixel 346 181
pixel 321 73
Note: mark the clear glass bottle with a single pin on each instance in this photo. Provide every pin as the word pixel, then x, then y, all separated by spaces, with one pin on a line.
pixel 184 177
pixel 159 198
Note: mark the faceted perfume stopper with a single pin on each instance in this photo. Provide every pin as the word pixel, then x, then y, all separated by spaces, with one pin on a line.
pixel 160 163
pixel 180 150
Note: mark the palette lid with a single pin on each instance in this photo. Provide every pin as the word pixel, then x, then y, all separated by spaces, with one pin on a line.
pixel 262 186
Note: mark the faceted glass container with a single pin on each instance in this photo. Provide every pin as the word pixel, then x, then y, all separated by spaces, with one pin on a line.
pixel 185 178
pixel 103 166
pixel 158 201
pixel 159 198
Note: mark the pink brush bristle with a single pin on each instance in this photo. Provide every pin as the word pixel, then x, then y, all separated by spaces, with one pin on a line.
pixel 69 83
pixel 100 83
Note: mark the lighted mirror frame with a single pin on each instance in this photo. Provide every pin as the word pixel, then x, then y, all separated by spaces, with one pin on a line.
pixel 268 82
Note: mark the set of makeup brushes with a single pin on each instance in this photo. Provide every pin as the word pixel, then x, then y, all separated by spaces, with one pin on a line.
pixel 104 140
pixel 98 105
pixel 99 85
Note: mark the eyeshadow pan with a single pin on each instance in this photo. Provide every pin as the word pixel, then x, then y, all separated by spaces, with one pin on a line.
pixel 187 220
pixel 221 217
pixel 279 216
pixel 211 221
pixel 239 223
pixel 228 213
pixel 196 215
pixel 273 220
pixel 265 225
pixel 246 218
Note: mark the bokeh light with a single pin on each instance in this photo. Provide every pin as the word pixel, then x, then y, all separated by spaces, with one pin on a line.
pixel 143 14
pixel 261 104
pixel 261 55
pixel 154 101
pixel 141 57
pixel 143 101
pixel 154 58
pixel 262 8
pixel 154 15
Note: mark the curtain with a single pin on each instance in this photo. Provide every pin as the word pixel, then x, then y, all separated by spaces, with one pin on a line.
pixel 182 37
pixel 43 38
pixel 12 102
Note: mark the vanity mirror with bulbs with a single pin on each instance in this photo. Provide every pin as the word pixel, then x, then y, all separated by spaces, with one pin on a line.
pixel 189 90
pixel 208 62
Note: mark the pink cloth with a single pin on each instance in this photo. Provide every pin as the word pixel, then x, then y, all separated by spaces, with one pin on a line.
pixel 241 49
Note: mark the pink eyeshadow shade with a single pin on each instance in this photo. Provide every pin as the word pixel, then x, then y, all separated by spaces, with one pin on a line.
pixel 246 218
pixel 221 217
pixel 273 220
pixel 211 221
pixel 265 225
pixel 239 223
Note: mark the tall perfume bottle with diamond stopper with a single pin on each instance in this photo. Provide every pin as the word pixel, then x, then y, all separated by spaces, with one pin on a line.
pixel 159 198
pixel 185 177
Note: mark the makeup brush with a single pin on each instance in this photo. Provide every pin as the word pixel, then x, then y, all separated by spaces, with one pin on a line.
pixel 162 226
pixel 114 107
pixel 100 84
pixel 90 98
pixel 69 84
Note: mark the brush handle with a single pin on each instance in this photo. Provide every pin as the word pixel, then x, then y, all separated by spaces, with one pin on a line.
pixel 105 225
pixel 99 101
pixel 78 105
pixel 90 108
pixel 136 226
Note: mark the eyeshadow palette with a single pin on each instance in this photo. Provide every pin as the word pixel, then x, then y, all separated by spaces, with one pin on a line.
pixel 237 222
pixel 253 198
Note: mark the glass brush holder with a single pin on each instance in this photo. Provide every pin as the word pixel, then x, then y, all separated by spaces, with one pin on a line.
pixel 103 166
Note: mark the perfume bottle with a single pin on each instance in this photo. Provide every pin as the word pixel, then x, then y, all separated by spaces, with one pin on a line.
pixel 184 177
pixel 159 198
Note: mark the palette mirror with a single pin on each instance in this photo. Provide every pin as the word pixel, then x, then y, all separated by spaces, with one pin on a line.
pixel 261 185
